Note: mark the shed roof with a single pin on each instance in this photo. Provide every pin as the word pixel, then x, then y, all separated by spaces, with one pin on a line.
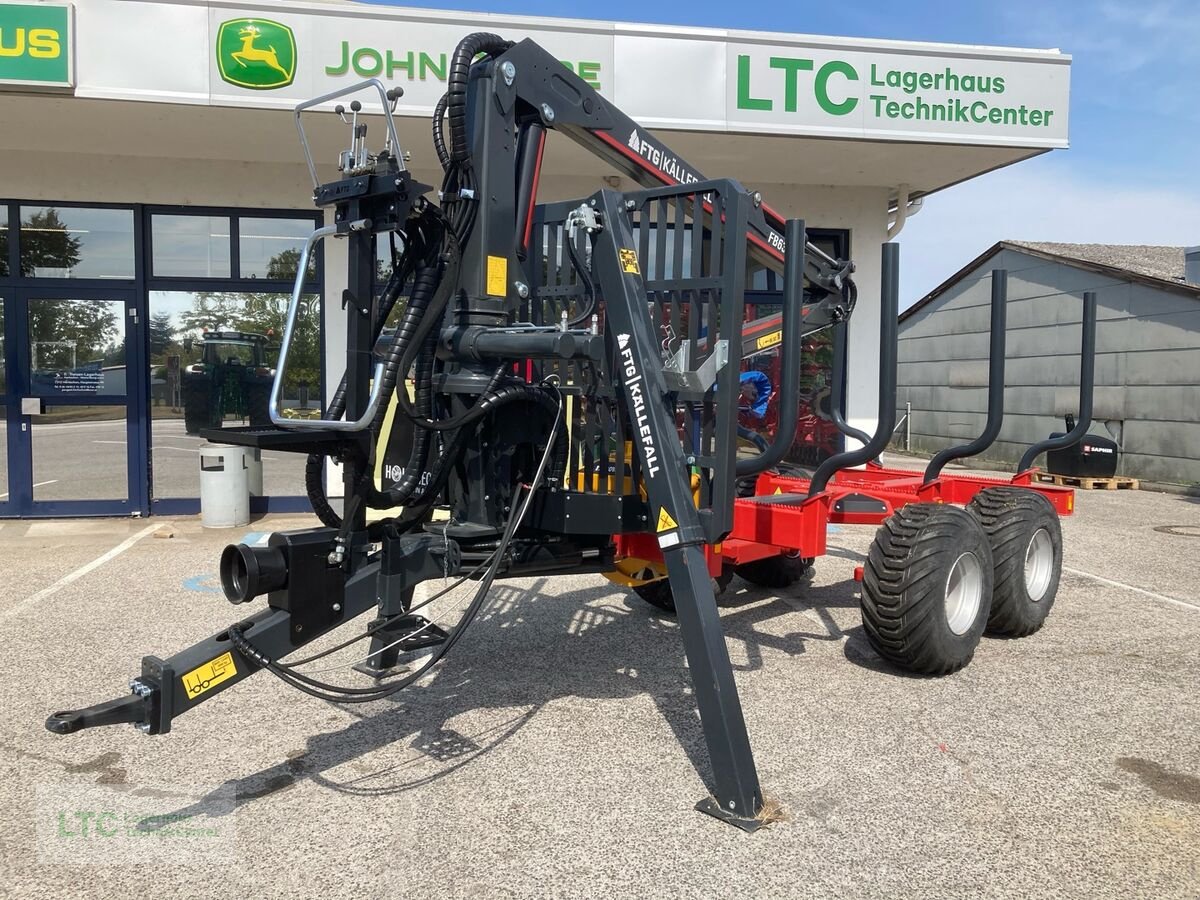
pixel 1161 267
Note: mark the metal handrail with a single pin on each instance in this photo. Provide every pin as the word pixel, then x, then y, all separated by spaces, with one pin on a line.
pixel 995 404
pixel 289 330
pixel 342 92
pixel 1087 381
pixel 889 310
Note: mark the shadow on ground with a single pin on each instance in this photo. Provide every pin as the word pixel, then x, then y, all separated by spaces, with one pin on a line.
pixel 573 646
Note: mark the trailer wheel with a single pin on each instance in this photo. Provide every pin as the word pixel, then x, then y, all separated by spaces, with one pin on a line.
pixel 1026 540
pixel 927 588
pixel 658 593
pixel 775 571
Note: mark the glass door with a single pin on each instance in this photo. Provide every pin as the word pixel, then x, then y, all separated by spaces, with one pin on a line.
pixel 6 433
pixel 74 385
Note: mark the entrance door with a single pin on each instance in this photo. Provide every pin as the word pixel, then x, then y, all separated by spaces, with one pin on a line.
pixel 72 393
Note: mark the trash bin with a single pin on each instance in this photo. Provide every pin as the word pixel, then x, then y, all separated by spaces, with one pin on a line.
pixel 224 485
pixel 254 471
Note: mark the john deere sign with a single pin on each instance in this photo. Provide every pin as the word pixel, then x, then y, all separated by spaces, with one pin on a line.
pixel 256 53
pixel 35 45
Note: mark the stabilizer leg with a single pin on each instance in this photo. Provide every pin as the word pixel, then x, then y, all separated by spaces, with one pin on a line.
pixel 665 472
pixel 737 798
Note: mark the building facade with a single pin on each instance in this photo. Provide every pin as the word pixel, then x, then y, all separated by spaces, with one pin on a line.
pixel 1147 393
pixel 154 195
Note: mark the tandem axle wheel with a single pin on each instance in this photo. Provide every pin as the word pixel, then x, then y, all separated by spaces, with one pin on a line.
pixel 937 577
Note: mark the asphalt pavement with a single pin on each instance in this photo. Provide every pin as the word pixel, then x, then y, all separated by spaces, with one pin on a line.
pixel 557 753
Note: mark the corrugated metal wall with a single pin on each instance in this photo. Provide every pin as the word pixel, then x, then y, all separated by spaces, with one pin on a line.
pixel 1147 365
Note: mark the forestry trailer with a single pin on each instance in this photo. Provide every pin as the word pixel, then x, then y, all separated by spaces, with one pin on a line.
pixel 569 375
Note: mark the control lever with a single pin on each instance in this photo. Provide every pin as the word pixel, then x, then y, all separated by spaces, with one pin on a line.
pixel 393 95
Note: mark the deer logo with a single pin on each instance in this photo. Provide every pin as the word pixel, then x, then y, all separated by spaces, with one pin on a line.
pixel 256 53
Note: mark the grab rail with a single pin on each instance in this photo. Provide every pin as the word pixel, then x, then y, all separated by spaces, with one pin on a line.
pixel 289 330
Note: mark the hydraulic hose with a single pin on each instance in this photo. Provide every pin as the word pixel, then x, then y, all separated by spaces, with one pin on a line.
pixel 423 289
pixel 456 87
pixel 505 395
pixel 314 483
pixel 439 135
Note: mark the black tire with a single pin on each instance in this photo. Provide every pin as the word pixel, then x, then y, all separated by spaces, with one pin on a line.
pixel 924 556
pixel 775 571
pixel 1026 540
pixel 257 398
pixel 197 405
pixel 658 593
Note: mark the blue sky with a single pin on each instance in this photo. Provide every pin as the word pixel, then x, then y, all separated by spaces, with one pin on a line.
pixel 1132 174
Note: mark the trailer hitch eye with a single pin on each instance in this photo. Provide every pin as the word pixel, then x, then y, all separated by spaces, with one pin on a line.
pixel 247 572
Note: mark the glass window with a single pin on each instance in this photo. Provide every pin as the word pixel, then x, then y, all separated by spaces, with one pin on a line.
pixel 3 359
pixel 3 418
pixel 271 248
pixel 76 347
pixel 79 453
pixel 3 240
pixel 212 363
pixel 383 257
pixel 190 246
pixel 73 242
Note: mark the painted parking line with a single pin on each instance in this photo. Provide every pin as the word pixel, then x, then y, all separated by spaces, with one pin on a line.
pixel 1163 598
pixel 37 484
pixel 96 563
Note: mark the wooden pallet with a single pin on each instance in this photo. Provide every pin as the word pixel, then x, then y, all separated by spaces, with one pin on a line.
pixel 1116 483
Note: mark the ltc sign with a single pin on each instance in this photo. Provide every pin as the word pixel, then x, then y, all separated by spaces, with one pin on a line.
pixel 36 45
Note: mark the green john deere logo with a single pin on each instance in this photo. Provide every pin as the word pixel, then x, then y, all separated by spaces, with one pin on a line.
pixel 256 53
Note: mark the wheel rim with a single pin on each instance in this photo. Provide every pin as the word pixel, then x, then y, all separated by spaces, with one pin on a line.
pixel 964 592
pixel 1039 564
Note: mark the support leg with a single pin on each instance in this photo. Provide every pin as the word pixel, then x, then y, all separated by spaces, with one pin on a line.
pixel 638 365
pixel 736 798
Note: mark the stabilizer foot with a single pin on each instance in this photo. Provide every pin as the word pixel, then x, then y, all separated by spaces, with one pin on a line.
pixel 748 824
pixel 407 634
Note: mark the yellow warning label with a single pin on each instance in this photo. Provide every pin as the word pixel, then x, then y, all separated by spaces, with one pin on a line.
pixel 497 276
pixel 769 340
pixel 778 490
pixel 629 261
pixel 209 675
pixel 665 522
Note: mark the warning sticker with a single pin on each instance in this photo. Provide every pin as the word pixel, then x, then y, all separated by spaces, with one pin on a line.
pixel 665 522
pixel 769 340
pixel 497 276
pixel 209 675
pixel 629 263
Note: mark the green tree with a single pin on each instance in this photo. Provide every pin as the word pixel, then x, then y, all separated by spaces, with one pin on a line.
pixel 64 334
pixel 46 244
pixel 284 265
pixel 162 333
